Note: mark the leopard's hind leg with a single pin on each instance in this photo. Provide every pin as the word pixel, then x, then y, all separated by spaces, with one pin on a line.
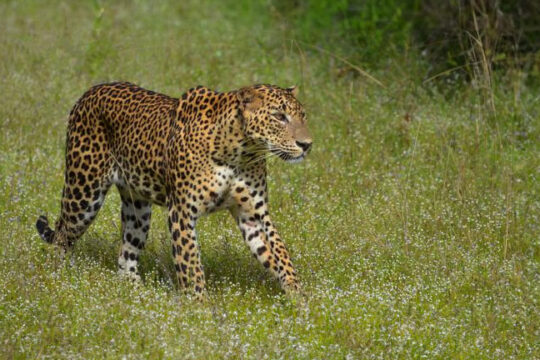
pixel 135 226
pixel 89 168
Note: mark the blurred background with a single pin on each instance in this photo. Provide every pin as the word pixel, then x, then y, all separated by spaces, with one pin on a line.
pixel 454 39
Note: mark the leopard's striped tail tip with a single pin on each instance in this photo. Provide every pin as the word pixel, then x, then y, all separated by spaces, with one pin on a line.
pixel 44 230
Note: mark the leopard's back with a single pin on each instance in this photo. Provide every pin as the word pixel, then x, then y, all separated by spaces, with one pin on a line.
pixel 130 125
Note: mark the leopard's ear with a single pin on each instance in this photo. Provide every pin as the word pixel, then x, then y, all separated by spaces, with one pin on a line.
pixel 293 90
pixel 248 99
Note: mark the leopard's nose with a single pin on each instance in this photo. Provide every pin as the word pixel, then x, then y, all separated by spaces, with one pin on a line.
pixel 304 145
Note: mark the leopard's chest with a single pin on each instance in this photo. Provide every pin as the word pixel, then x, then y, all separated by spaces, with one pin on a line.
pixel 216 190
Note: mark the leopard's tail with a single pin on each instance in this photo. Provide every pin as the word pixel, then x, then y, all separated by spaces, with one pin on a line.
pixel 44 230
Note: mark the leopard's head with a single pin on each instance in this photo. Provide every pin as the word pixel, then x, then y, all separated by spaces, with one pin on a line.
pixel 275 119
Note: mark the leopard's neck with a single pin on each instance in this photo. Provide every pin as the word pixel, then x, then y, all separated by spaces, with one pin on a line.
pixel 216 119
pixel 230 144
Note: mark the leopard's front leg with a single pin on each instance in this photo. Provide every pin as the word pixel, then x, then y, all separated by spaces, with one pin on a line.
pixel 287 274
pixel 261 236
pixel 185 248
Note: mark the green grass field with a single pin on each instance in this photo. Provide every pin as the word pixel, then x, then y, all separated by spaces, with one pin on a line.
pixel 414 223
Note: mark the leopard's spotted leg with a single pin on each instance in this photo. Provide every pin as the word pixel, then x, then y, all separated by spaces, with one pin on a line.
pixel 136 216
pixel 255 238
pixel 185 248
pixel 261 235
pixel 287 273
pixel 87 180
pixel 75 217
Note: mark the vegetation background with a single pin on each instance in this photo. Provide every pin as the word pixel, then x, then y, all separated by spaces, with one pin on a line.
pixel 414 223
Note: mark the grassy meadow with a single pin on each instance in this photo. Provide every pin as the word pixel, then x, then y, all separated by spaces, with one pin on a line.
pixel 414 223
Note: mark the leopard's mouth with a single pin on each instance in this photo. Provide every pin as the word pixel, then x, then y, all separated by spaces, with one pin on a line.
pixel 293 159
pixel 288 157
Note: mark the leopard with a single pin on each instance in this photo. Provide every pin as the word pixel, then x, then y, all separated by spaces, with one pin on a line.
pixel 195 154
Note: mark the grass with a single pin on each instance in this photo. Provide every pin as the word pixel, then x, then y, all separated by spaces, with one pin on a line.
pixel 414 223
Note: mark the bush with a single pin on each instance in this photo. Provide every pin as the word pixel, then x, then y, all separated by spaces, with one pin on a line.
pixel 466 37
pixel 465 34
pixel 363 29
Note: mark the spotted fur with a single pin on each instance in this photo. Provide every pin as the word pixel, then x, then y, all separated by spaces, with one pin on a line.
pixel 200 153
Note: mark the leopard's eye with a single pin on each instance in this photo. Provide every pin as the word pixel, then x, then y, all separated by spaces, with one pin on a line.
pixel 281 117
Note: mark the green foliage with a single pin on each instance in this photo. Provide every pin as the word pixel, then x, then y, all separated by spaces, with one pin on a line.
pixel 363 29
pixel 453 33
pixel 414 222
pixel 99 47
pixel 455 38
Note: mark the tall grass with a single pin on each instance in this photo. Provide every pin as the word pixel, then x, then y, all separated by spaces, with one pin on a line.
pixel 414 223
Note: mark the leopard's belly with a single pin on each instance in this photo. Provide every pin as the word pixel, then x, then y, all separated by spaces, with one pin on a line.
pixel 140 186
